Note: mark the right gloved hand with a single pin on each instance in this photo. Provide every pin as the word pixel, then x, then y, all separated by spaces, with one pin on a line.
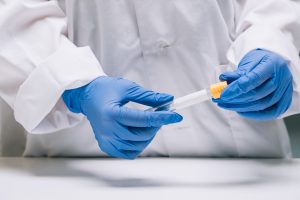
pixel 120 131
pixel 261 88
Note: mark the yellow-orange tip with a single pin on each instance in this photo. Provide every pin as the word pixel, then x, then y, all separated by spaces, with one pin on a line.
pixel 216 89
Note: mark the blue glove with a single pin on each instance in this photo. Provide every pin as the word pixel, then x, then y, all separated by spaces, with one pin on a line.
pixel 120 131
pixel 261 88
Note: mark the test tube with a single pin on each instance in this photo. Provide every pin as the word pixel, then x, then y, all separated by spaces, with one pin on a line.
pixel 214 91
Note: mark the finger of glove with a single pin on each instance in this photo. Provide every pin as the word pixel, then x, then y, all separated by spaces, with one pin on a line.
pixel 133 133
pixel 147 97
pixel 260 104
pixel 272 112
pixel 253 95
pixel 146 133
pixel 138 118
pixel 261 73
pixel 130 145
pixel 107 147
pixel 229 76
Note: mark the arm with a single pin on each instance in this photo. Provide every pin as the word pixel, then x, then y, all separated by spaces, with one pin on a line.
pixel 38 63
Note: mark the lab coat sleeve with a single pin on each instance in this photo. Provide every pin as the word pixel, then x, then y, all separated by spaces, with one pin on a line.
pixel 273 25
pixel 38 63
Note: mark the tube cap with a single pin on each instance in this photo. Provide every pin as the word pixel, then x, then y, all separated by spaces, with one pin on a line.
pixel 216 89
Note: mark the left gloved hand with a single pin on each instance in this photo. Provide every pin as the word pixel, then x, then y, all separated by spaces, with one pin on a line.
pixel 120 131
pixel 261 88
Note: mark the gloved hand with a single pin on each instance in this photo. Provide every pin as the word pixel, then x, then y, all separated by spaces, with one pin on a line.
pixel 120 131
pixel 261 88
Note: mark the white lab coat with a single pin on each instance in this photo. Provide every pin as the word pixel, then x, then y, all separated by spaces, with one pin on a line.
pixel 172 46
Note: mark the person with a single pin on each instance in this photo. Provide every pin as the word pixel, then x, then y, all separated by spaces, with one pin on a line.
pixel 71 69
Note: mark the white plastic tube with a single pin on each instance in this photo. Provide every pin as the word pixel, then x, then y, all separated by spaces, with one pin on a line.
pixel 185 101
pixel 214 91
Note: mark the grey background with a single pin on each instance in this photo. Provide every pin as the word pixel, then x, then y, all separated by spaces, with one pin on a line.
pixel 293 126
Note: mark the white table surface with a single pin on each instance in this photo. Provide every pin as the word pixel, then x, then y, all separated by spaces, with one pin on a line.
pixel 149 178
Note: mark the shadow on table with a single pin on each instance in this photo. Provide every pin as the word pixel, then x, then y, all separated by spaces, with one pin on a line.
pixel 234 177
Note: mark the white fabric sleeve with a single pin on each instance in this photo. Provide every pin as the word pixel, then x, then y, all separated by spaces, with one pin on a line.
pixel 38 63
pixel 273 25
